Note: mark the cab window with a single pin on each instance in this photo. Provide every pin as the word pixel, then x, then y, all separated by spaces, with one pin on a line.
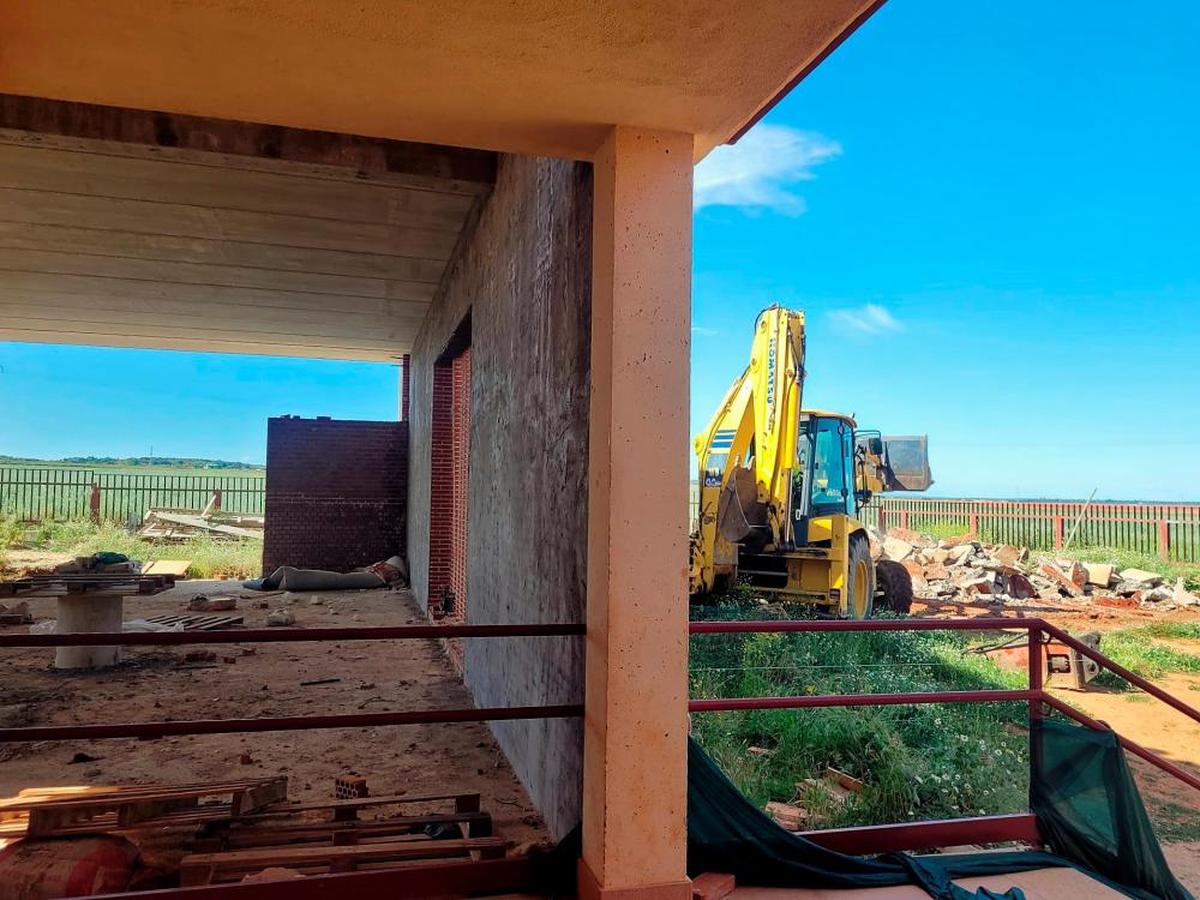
pixel 831 446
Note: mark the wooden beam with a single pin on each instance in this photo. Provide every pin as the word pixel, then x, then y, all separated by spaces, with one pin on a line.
pixel 50 208
pixel 431 165
pixel 212 342
pixel 118 175
pixel 71 239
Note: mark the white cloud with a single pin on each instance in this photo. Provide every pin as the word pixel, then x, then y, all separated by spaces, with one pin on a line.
pixel 701 331
pixel 870 319
pixel 761 170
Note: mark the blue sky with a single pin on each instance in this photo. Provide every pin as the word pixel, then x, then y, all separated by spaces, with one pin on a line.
pixel 987 210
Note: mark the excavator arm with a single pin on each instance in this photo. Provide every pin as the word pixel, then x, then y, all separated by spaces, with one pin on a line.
pixel 748 451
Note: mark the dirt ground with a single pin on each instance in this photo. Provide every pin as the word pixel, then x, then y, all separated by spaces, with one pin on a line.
pixel 249 680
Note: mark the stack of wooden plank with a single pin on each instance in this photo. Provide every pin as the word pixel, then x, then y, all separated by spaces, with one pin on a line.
pixel 231 830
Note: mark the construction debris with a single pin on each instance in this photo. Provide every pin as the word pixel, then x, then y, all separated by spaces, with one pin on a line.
pixel 173 525
pixel 964 569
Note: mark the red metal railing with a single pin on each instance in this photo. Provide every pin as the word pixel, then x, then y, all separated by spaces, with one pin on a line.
pixel 983 829
pixel 286 723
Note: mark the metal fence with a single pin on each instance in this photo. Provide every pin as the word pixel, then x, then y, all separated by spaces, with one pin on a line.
pixel 37 494
pixel 1170 530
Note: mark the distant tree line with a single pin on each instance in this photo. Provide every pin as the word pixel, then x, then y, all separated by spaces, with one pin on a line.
pixel 182 462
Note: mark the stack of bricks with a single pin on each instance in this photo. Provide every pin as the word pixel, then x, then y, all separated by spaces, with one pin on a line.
pixel 336 493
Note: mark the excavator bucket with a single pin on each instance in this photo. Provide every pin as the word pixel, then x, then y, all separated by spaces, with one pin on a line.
pixel 738 510
pixel 906 461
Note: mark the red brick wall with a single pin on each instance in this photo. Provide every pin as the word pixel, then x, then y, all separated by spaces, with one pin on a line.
pixel 441 481
pixel 336 493
pixel 450 480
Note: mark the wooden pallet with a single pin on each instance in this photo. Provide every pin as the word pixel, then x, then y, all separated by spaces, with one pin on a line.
pixel 107 809
pixel 197 622
pixel 78 583
pixel 232 865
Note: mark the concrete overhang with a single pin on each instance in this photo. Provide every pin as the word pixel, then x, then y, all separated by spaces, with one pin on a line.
pixel 544 77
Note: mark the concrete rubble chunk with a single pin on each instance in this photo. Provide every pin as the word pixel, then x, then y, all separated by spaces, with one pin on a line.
pixel 960 554
pixel 1141 577
pixel 787 816
pixel 281 617
pixel 1099 574
pixel 896 549
pixel 1061 578
pixel 1181 596
pixel 1009 555
pixel 1157 594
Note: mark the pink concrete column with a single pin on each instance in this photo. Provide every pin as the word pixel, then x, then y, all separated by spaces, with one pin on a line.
pixel 635 780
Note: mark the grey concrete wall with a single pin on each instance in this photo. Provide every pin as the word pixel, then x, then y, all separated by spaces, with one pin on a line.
pixel 525 278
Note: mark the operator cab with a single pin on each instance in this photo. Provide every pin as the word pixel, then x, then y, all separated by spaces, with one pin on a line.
pixel 825 476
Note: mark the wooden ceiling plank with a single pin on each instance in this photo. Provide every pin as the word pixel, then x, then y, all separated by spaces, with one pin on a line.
pixel 171 272
pixel 48 208
pixel 198 330
pixel 227 314
pixel 32 284
pixel 207 344
pixel 247 139
pixel 270 257
pixel 74 172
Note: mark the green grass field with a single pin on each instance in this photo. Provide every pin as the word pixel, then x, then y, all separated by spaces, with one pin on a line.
pixel 915 762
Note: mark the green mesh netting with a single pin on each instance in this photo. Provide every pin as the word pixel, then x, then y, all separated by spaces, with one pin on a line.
pixel 1087 805
pixel 1088 808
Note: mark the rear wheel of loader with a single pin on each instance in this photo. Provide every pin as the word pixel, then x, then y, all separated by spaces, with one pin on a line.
pixel 895 586
pixel 860 590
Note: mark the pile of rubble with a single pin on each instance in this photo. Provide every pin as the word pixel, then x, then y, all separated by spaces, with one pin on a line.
pixel 963 569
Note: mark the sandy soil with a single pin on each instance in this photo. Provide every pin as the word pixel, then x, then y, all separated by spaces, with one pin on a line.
pixel 247 680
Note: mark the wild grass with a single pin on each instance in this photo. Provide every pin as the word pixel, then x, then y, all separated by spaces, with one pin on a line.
pixel 916 762
pixel 210 558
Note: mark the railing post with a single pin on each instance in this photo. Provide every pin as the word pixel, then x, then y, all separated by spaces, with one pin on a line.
pixel 904 519
pixel 216 500
pixel 94 503
pixel 1164 539
pixel 1037 681
pixel 973 524
pixel 1058 533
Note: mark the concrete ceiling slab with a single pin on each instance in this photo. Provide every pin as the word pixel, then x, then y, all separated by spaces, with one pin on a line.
pixel 544 77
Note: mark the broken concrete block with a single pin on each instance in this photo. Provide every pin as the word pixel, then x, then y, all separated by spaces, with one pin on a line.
pixel 1060 578
pixel 896 549
pixel 936 572
pixel 1008 555
pixel 910 537
pixel 1016 585
pixel 281 617
pixel 940 555
pixel 1099 574
pixel 787 816
pixel 978 586
pixel 1182 597
pixel 1141 577
pixel 1158 594
pixel 959 554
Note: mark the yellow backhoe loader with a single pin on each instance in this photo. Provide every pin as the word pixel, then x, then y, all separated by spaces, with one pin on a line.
pixel 780 488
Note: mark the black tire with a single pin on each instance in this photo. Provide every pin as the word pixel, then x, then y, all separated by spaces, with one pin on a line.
pixel 895 587
pixel 860 567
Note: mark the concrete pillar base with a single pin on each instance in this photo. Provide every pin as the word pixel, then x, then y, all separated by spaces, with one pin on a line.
pixel 88 614
pixel 589 888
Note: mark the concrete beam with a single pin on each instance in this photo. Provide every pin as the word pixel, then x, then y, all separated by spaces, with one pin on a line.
pixel 635 730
